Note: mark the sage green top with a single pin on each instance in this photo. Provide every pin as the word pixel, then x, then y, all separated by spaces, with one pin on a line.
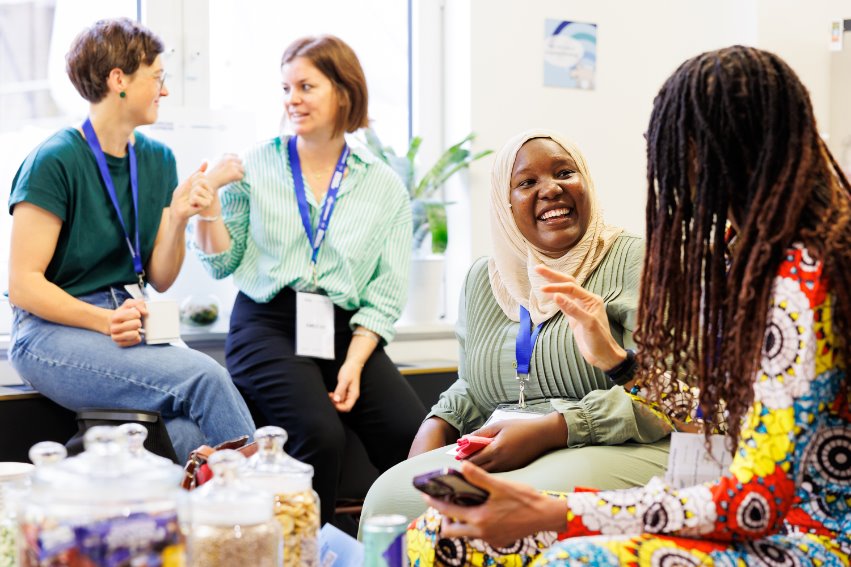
pixel 596 413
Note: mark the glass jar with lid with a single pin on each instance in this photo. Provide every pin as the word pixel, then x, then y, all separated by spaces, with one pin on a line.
pixel 230 523
pixel 296 504
pixel 14 478
pixel 104 507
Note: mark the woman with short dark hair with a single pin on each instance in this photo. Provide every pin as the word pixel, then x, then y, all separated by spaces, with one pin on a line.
pixel 95 208
pixel 317 235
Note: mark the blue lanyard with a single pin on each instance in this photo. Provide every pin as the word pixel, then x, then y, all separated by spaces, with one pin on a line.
pixel 526 338
pixel 100 158
pixel 330 198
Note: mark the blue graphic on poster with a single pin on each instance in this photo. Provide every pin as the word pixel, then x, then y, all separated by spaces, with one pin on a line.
pixel 570 54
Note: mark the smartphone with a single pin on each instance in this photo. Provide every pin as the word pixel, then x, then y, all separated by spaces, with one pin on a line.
pixel 450 486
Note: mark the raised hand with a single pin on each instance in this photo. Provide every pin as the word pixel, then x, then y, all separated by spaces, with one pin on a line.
pixel 586 315
pixel 193 195
pixel 228 169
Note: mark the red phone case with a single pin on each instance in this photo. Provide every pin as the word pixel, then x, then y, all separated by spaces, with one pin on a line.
pixel 471 444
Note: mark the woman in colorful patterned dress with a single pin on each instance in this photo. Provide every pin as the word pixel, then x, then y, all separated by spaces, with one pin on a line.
pixel 732 139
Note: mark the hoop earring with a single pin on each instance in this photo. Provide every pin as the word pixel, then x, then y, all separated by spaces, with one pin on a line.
pixel 122 94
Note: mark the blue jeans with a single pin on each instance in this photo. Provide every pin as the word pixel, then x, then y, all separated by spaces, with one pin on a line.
pixel 78 368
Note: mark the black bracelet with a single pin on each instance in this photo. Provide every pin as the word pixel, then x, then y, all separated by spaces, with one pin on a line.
pixel 625 371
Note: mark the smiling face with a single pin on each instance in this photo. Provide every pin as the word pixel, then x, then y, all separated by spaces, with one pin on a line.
pixel 310 99
pixel 144 89
pixel 549 198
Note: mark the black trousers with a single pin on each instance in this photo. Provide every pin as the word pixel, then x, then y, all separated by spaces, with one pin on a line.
pixel 292 392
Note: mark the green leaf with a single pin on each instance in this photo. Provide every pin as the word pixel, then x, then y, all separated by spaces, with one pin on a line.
pixel 411 156
pixel 436 213
pixel 429 208
pixel 375 146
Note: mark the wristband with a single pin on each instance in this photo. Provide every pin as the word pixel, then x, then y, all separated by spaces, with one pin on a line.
pixel 365 333
pixel 625 371
pixel 208 219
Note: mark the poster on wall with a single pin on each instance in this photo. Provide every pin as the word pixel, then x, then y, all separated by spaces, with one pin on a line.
pixel 570 54
pixel 836 33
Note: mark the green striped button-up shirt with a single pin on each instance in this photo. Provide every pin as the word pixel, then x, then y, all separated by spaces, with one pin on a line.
pixel 363 262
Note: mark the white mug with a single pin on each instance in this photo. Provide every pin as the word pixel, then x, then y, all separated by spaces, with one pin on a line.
pixel 162 323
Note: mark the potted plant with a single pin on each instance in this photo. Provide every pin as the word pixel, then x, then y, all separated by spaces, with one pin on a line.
pixel 428 205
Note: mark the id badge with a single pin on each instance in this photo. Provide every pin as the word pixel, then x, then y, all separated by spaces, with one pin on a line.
pixel 513 411
pixel 314 325
pixel 689 463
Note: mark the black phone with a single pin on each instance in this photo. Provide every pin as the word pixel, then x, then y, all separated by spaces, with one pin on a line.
pixel 450 486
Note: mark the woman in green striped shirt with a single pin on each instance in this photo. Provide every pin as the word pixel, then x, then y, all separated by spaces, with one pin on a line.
pixel 326 227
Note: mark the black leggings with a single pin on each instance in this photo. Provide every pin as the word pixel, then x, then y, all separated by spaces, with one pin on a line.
pixel 292 392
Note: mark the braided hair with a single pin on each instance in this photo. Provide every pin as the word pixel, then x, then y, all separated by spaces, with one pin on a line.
pixel 732 136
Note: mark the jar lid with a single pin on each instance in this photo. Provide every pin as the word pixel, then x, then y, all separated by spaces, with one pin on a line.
pixel 226 500
pixel 271 457
pixel 106 471
pixel 11 472
pixel 12 475
pixel 134 435
pixel 272 469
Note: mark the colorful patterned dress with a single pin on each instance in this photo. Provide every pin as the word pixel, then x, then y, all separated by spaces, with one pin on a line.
pixel 786 499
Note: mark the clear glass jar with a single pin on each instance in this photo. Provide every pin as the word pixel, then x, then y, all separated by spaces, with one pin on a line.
pixel 14 478
pixel 296 504
pixel 102 508
pixel 230 523
pixel 200 310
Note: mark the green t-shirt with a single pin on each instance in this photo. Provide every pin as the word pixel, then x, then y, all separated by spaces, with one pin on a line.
pixel 61 176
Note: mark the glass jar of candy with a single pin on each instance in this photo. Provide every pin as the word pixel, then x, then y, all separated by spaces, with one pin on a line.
pixel 104 507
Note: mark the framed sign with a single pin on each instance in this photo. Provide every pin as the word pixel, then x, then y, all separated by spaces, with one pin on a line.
pixel 570 54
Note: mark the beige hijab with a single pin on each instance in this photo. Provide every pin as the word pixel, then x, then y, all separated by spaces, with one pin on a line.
pixel 512 276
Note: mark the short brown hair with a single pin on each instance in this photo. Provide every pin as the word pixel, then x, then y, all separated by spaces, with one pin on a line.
pixel 115 43
pixel 337 61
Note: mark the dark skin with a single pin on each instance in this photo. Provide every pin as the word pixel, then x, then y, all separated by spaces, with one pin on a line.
pixel 512 511
pixel 544 182
pixel 550 205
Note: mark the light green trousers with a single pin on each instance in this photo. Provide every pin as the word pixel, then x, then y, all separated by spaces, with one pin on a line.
pixel 602 467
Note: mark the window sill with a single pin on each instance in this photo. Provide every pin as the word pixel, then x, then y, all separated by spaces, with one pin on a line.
pixel 415 346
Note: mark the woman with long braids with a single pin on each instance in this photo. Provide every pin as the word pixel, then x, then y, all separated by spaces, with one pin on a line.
pixel 747 288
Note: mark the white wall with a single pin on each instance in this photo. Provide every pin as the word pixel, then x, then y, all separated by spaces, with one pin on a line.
pixel 639 44
pixel 800 34
pixel 493 83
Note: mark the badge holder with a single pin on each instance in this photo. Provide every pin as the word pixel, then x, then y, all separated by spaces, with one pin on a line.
pixel 534 410
pixel 314 334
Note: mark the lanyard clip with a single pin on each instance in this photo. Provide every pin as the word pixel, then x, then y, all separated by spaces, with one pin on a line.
pixel 522 398
pixel 141 276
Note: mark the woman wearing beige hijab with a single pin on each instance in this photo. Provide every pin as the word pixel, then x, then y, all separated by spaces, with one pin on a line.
pixel 544 210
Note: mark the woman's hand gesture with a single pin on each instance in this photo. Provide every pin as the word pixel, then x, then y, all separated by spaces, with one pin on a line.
pixel 192 196
pixel 227 170
pixel 586 315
